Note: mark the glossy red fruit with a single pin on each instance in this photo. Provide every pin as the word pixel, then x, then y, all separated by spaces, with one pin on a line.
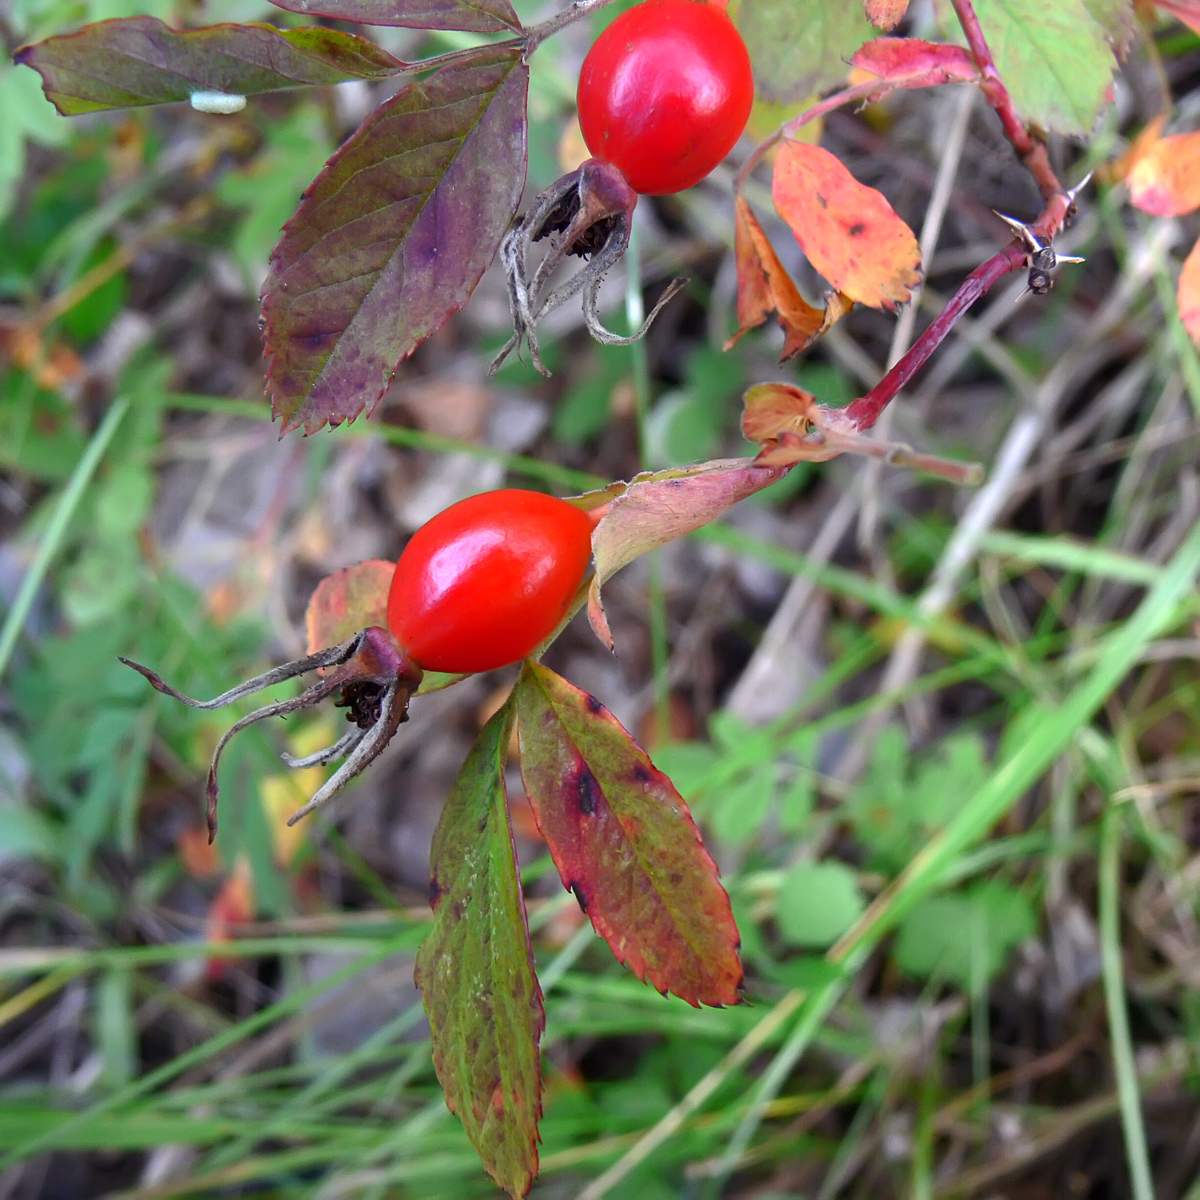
pixel 482 583
pixel 665 93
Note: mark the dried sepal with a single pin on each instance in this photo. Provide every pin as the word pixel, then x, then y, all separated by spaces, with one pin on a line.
pixel 587 213
pixel 375 679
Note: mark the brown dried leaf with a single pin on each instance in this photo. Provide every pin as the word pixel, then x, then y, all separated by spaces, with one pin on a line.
pixel 765 287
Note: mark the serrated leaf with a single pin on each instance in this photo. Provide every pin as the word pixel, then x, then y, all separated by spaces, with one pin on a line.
pixel 475 969
pixel 764 287
pixel 1164 179
pixel 1054 59
pixel 1189 294
pixel 799 47
pixel 847 230
pixel 657 508
pixel 134 61
pixel 347 601
pixel 624 842
pixel 393 236
pixel 473 16
pixel 1117 19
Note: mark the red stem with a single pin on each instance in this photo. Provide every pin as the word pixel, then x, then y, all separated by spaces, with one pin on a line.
pixel 1032 152
pixel 864 411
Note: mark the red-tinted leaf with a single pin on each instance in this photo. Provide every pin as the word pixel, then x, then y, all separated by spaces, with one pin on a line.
pixel 474 16
pixel 792 427
pixel 139 60
pixel 1187 11
pixel 393 236
pixel 624 842
pixel 656 508
pixel 848 231
pixel 885 14
pixel 1165 177
pixel 764 287
pixel 347 601
pixel 1189 294
pixel 475 969
pixel 912 63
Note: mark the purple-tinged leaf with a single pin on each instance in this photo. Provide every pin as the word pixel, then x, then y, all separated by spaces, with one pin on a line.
pixel 138 60
pixel 475 969
pixel 624 842
pixel 393 236
pixel 474 16
pixel 656 508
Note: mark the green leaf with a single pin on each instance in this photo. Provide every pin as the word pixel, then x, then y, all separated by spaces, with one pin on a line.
pixel 267 186
pixel 1054 59
pixel 475 969
pixel 740 808
pixel 623 840
pixel 896 809
pixel 1117 19
pixel 27 116
pixel 942 935
pixel 816 903
pixel 800 47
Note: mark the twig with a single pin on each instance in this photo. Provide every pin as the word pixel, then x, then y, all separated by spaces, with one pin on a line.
pixel 1032 152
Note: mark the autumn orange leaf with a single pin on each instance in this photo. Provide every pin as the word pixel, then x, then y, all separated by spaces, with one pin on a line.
pixel 1165 179
pixel 885 14
pixel 848 231
pixel 765 287
pixel 1189 294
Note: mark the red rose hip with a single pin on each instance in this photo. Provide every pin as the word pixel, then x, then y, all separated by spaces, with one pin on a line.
pixel 480 585
pixel 665 93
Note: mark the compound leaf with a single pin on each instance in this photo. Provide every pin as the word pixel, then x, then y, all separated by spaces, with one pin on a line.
pixel 134 61
pixel 1054 59
pixel 475 969
pixel 624 842
pixel 393 236
pixel 473 16
pixel 847 230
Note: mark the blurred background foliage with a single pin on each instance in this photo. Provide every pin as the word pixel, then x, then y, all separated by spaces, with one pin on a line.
pixel 833 676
